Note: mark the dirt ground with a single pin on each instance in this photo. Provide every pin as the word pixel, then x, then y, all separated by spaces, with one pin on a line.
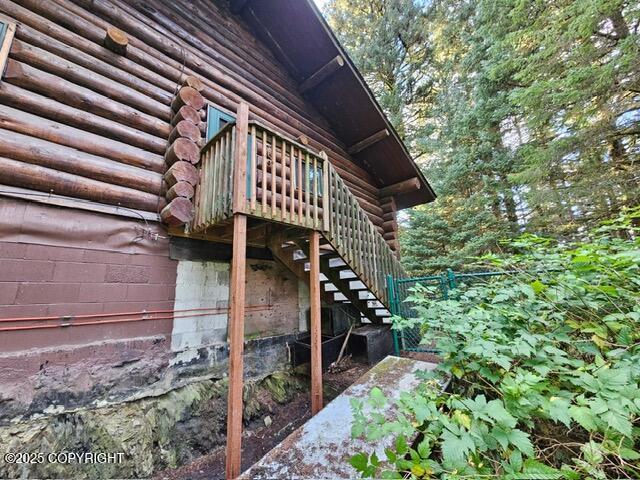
pixel 257 438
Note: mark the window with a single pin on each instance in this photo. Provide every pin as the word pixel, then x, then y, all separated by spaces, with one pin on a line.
pixel 7 29
pixel 216 120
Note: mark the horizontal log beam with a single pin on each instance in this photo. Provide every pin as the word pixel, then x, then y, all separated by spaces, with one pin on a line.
pixel 30 78
pixel 367 142
pixel 389 216
pixel 390 226
pixel 88 54
pixel 187 113
pixel 180 189
pixel 181 172
pixel 185 129
pixel 39 58
pixel 166 69
pixel 193 82
pixel 404 186
pixel 182 149
pixel 178 212
pixel 75 117
pixel 321 74
pixel 188 96
pixel 59 157
pixel 38 127
pixel 389 236
pixel 48 180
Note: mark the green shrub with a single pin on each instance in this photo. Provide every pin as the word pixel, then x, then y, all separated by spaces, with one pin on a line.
pixel 544 367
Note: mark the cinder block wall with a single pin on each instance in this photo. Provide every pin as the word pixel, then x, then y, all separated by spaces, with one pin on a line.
pixel 65 262
pixel 68 263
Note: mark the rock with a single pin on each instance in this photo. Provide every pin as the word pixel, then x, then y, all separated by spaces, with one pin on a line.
pixel 267 421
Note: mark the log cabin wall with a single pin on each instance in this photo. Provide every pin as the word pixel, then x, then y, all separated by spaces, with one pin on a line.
pixel 83 121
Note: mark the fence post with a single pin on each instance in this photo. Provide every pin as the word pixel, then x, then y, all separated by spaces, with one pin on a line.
pixel 451 277
pixel 443 287
pixel 394 311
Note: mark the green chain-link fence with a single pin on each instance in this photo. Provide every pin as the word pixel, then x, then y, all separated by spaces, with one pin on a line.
pixel 409 338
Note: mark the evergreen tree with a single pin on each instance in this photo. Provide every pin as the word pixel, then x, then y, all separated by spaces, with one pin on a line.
pixel 524 115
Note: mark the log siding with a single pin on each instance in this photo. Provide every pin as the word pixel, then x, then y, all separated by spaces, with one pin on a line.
pixel 64 89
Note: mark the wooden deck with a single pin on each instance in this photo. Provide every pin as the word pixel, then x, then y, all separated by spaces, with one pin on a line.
pixel 285 182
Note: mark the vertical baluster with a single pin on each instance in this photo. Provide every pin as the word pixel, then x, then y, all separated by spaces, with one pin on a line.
pixel 221 206
pixel 264 173
pixel 307 206
pixel 348 202
pixel 229 165
pixel 354 232
pixel 326 198
pixel 292 183
pixel 315 192
pixel 331 200
pixel 299 175
pixel 196 202
pixel 274 158
pixel 338 206
pixel 283 185
pixel 220 165
pixel 361 252
pixel 341 218
pixel 372 265
pixel 253 174
pixel 359 256
pixel 365 247
pixel 204 187
pixel 215 197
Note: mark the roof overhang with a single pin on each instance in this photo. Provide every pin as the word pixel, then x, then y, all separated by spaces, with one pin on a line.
pixel 303 42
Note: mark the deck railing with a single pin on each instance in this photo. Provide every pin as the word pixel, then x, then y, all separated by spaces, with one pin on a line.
pixel 287 182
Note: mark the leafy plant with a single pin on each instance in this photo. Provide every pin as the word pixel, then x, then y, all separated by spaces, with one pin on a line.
pixel 544 367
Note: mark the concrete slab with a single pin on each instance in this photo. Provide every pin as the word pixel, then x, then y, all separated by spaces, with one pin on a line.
pixel 322 447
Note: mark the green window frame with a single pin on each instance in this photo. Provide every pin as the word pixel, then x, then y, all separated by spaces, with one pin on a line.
pixel 3 30
pixel 7 31
pixel 216 120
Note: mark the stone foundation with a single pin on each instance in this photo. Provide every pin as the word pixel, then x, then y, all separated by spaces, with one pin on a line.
pixel 154 411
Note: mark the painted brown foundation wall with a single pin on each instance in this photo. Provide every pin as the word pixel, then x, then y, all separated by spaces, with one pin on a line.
pixel 61 262
pixel 65 262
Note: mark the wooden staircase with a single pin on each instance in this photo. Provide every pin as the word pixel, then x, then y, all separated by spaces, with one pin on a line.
pixel 340 284
pixel 295 191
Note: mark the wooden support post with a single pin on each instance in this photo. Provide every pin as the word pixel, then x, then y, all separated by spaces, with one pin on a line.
pixel 236 345
pixel 323 72
pixel 316 346
pixel 240 159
